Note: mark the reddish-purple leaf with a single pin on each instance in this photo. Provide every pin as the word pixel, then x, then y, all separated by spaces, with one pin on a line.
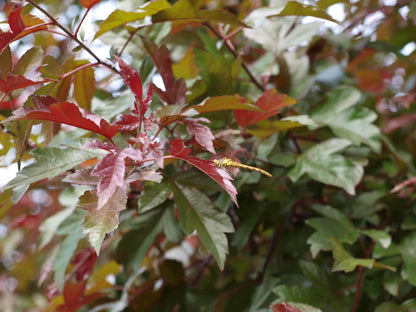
pixel 270 102
pixel 132 153
pixel 174 89
pixel 131 77
pixel 102 145
pixel 127 122
pixel 144 175
pixel 111 170
pixel 203 134
pixel 284 307
pixel 179 150
pixel 66 113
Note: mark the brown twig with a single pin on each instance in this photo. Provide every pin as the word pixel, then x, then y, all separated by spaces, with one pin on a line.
pixel 231 48
pixel 72 36
pixel 269 253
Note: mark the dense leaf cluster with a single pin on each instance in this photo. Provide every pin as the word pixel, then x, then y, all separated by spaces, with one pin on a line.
pixel 118 204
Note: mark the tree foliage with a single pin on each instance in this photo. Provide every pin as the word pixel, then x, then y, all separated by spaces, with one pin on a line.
pixel 114 125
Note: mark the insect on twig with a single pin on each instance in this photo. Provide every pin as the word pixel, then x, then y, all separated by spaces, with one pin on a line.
pixel 226 162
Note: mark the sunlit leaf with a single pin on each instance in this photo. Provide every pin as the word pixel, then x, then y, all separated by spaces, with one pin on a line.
pixel 50 162
pixel 322 164
pixel 67 113
pixel 300 9
pixel 354 124
pixel 119 17
pixel 189 11
pixel 104 220
pixel 344 261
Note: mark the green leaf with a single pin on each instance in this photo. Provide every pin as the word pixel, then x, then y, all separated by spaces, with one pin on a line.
pixel 299 9
pixel 30 61
pixel 5 62
pixel 84 85
pixel 5 202
pixel 49 163
pixel 308 295
pixel 262 293
pixel 408 251
pixel 316 274
pixel 153 195
pixel 196 212
pixel 101 221
pixel 277 35
pixel 390 306
pixel 51 224
pixel 186 10
pixel 335 225
pixel 118 17
pixel 344 261
pixel 354 124
pixel 217 71
pixel 267 127
pixel 322 165
pixel 224 102
pixel 134 244
pixel 71 227
pixel 381 237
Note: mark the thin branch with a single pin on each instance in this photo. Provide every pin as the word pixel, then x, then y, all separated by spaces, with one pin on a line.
pixel 80 23
pixel 269 253
pixel 230 47
pixel 357 296
pixel 72 36
pixel 204 264
pixel 78 69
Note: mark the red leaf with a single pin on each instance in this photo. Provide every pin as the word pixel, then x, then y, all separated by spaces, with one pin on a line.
pixel 74 292
pixel 88 4
pixel 203 134
pixel 14 82
pixel 18 29
pixel 84 260
pixel 270 102
pixel 131 77
pixel 111 170
pixel 66 113
pixel 15 21
pixel 174 89
pixel 284 307
pixel 179 150
pixel 5 39
pixel 128 122
pixel 133 80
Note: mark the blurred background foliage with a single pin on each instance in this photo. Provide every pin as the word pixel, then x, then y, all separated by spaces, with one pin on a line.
pixel 332 230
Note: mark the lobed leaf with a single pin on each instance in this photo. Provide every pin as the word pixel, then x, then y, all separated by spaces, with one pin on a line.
pixel 322 164
pixel 351 123
pixel 270 102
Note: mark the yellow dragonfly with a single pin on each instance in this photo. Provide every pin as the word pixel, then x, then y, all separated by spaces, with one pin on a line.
pixel 226 162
